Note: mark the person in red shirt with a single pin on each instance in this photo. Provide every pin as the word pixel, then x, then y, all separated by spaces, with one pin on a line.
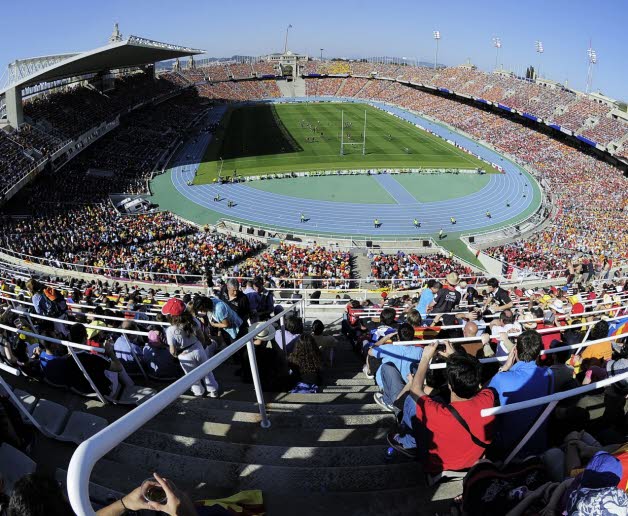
pixel 451 436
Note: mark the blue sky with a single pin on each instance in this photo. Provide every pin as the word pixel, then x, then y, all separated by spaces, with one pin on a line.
pixel 345 28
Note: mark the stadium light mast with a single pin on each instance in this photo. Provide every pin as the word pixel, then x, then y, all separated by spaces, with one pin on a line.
pixel 538 45
pixel 437 39
pixel 592 61
pixel 497 43
pixel 285 47
pixel 322 53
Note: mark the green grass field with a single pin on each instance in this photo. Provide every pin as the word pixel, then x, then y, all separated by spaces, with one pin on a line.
pixel 267 138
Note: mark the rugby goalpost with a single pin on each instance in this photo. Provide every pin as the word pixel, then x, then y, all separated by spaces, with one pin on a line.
pixel 342 135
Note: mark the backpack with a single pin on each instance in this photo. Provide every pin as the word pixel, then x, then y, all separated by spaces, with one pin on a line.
pixel 49 308
pixel 55 296
pixel 489 489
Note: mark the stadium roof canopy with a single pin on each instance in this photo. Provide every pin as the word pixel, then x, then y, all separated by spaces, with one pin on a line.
pixel 130 52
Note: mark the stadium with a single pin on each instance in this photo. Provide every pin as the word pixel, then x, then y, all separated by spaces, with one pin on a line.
pixel 289 284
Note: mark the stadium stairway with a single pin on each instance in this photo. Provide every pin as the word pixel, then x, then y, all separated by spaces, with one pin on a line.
pixel 324 453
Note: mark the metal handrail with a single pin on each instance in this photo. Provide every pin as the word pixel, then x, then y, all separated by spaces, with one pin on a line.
pixel 94 448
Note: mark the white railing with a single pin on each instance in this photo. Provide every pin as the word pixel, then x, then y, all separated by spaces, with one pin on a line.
pixel 94 448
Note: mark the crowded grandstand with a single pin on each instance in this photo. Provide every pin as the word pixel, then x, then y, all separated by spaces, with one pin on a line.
pixel 394 378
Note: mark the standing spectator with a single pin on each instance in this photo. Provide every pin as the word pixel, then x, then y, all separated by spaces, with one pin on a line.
pixel 497 296
pixel 183 340
pixel 427 297
pixel 447 298
pixel 255 300
pixel 239 303
pixel 221 317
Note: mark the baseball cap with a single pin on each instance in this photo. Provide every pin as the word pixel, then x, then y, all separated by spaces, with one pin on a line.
pixel 577 309
pixel 174 307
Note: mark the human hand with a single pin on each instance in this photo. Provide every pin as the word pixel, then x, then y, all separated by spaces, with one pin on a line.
pixel 429 350
pixel 177 502
pixel 134 501
pixel 512 359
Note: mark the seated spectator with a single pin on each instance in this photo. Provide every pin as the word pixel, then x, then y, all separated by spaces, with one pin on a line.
pixel 128 347
pixel 273 370
pixel 306 364
pixel 292 331
pixel 326 343
pixel 452 436
pixel 106 372
pixel 595 490
pixel 160 363
pixel 521 379
pixel 397 363
pixel 501 328
pixel 386 321
pixel 37 495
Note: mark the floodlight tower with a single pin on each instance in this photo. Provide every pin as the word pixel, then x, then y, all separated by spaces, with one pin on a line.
pixel 539 50
pixel 322 53
pixel 592 61
pixel 497 43
pixel 437 39
pixel 285 47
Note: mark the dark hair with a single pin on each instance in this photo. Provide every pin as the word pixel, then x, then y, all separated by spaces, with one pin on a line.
pixel 78 333
pixel 437 284
pixel 430 283
pixel 355 304
pixel 387 317
pixel 37 495
pixel 537 312
pixel 599 331
pixel 200 303
pixel 529 346
pixel 414 318
pixel 294 324
pixel 306 355
pixel 318 327
pixel 463 375
pixel 406 332
pixel 507 317
pixel 492 282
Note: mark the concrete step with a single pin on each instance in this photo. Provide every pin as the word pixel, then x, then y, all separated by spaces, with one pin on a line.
pixel 284 420
pixel 279 455
pixel 421 501
pixel 203 406
pixel 353 381
pixel 191 470
pixel 331 398
pixel 332 389
pixel 247 433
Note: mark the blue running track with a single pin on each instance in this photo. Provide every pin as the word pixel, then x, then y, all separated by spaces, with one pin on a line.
pixel 283 212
